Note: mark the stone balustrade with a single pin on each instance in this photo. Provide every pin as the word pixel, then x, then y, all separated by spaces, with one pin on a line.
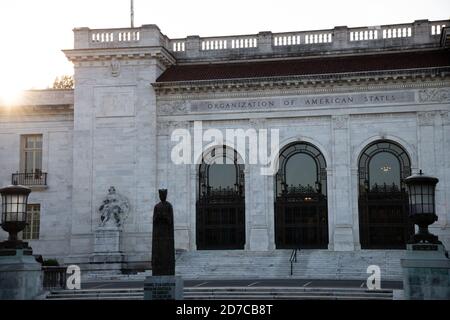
pixel 114 36
pixel 419 33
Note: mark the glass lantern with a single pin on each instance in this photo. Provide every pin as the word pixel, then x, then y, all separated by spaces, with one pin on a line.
pixel 421 192
pixel 14 210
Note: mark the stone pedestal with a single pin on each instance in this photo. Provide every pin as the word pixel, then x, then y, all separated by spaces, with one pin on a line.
pixel 426 273
pixel 107 254
pixel 107 240
pixel 20 275
pixel 163 288
pixel 259 239
pixel 343 238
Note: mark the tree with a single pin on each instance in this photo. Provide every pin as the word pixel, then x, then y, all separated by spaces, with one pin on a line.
pixel 64 82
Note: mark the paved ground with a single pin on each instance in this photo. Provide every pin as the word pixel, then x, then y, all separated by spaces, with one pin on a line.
pixel 250 283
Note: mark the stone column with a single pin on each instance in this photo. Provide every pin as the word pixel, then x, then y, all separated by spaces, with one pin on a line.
pixel 341 196
pixel 429 143
pixel 178 178
pixel 257 212
pixel 257 209
pixel 443 197
pixel 355 206
pixel 191 209
pixel 270 207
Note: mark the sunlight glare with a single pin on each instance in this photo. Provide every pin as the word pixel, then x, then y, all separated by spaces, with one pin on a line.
pixel 10 92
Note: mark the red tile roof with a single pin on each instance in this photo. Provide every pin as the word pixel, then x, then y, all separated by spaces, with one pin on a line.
pixel 322 65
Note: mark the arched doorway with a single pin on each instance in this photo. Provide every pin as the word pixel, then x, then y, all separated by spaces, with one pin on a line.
pixel 301 215
pixel 221 201
pixel 383 200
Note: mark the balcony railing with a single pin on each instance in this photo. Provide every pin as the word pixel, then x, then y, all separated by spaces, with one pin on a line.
pixel 37 178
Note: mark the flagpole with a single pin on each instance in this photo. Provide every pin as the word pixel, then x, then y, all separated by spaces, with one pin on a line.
pixel 132 13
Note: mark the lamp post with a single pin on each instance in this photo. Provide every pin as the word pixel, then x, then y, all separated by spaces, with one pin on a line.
pixel 425 265
pixel 421 191
pixel 14 215
pixel 20 273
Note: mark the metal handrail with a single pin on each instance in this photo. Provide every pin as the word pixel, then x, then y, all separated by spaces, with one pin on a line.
pixel 293 258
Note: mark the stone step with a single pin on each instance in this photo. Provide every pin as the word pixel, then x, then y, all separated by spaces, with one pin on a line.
pixel 294 297
pixel 310 264
pixel 229 293
pixel 226 289
pixel 310 297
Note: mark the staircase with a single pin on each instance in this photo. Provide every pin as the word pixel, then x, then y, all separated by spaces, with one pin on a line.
pixel 240 264
pixel 231 293
pixel 311 264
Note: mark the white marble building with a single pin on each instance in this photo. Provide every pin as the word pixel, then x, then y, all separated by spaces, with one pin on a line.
pixel 338 92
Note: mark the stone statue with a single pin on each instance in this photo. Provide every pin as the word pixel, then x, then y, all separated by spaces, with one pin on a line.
pixel 163 247
pixel 114 209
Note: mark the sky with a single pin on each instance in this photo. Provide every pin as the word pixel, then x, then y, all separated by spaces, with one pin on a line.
pixel 33 32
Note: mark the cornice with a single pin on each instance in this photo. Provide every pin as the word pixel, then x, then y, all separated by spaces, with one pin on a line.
pixel 132 53
pixel 318 83
pixel 36 110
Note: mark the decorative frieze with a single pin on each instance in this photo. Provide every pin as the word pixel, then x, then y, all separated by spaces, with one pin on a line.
pixel 445 117
pixel 115 67
pixel 434 95
pixel 340 122
pixel 257 123
pixel 171 108
pixel 173 125
pixel 426 118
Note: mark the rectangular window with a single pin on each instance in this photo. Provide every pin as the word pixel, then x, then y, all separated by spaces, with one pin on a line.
pixel 31 153
pixel 31 231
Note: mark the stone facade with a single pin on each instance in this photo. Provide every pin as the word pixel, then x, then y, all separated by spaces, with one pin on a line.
pixel 114 129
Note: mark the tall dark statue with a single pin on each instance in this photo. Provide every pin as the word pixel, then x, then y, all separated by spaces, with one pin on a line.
pixel 163 247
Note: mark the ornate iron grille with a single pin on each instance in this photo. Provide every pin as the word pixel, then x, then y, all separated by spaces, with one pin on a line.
pixel 221 210
pixel 301 215
pixel 383 208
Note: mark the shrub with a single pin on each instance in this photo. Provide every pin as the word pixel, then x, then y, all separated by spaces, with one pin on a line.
pixel 50 263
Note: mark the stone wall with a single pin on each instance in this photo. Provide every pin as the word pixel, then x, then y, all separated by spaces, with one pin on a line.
pixel 341 133
pixel 50 113
pixel 114 144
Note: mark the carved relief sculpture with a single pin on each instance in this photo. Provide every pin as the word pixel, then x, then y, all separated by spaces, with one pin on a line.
pixel 114 209
pixel 115 68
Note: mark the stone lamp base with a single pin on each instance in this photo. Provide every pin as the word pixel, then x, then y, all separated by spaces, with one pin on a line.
pixel 20 275
pixel 426 272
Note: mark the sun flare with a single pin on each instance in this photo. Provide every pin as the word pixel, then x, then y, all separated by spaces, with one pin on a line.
pixel 10 93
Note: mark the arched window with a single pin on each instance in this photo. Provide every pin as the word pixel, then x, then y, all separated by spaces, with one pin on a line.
pixel 221 201
pixel 301 205
pixel 383 201
pixel 383 164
